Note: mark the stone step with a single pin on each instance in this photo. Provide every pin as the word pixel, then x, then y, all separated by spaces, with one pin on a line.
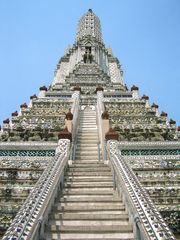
pixel 88 118
pixel 93 174
pixel 83 143
pixel 85 126
pixel 86 157
pixel 78 161
pixel 93 131
pixel 60 221
pixel 91 152
pixel 90 169
pixel 120 228
pixel 84 136
pixel 92 179
pixel 90 114
pixel 86 161
pixel 87 132
pixel 87 135
pixel 87 198
pixel 88 121
pixel 91 148
pixel 88 126
pixel 84 152
pixel 88 191
pixel 90 236
pixel 86 165
pixel 75 184
pixel 95 213
pixel 90 143
pixel 87 148
pixel 83 133
pixel 89 206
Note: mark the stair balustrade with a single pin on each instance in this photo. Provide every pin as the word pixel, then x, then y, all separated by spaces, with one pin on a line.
pixel 75 122
pixel 100 110
pixel 148 223
pixel 31 219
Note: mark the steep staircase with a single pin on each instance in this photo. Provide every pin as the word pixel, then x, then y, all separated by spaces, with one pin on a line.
pixel 89 208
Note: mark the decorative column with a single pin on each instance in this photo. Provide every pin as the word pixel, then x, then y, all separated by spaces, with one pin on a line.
pixel 135 91
pixel 112 135
pixel 105 123
pixel 6 124
pixel 31 100
pixel 65 134
pixel 23 107
pixel 163 116
pixel 68 121
pixel 42 92
pixel 146 99
pixel 155 109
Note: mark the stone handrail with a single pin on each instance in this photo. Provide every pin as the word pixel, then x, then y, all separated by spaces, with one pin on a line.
pixel 149 224
pixel 75 111
pixel 30 221
pixel 75 122
pixel 100 110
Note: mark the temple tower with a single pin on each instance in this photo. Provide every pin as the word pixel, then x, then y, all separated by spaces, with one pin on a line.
pixel 88 158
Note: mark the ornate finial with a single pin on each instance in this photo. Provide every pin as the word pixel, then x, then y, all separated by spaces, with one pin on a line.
pixel 43 88
pixel 145 97
pixel 77 88
pixel 112 135
pixel 6 121
pixel 99 88
pixel 33 96
pixel 14 114
pixel 105 115
pixel 89 25
pixel 69 115
pixel 154 105
pixel 134 88
pixel 24 105
pixel 65 134
pixel 172 122
pixel 163 114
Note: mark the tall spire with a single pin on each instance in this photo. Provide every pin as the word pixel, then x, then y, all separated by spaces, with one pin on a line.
pixel 89 25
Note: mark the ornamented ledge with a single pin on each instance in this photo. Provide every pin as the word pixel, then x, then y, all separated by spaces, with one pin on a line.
pixel 49 99
pixel 28 145
pixel 144 145
pixel 156 157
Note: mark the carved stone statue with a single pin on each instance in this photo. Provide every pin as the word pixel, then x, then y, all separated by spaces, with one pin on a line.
pixel 87 57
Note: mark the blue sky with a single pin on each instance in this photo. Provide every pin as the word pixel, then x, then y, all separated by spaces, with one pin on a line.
pixel 144 35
